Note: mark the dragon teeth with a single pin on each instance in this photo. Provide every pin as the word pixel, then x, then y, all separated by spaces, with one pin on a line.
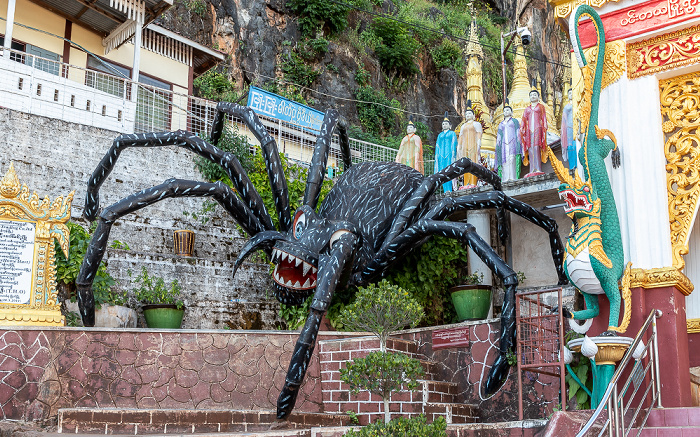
pixel 289 283
pixel 307 266
pixel 284 256
pixel 313 269
pixel 298 261
pixel 297 285
pixel 307 284
pixel 275 254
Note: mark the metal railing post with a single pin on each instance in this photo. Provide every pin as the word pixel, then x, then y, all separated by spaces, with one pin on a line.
pixel 656 357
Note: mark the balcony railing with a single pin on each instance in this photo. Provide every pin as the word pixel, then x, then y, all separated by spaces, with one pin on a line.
pixel 50 88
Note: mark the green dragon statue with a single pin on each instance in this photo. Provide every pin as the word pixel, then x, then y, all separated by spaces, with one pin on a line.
pixel 594 259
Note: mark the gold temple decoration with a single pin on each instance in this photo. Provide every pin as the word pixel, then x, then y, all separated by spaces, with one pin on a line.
pixel 680 100
pixel 475 92
pixel 23 215
pixel 693 326
pixel 660 278
pixel 563 8
pixel 664 52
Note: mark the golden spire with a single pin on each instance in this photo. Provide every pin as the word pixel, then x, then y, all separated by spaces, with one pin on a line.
pixel 473 47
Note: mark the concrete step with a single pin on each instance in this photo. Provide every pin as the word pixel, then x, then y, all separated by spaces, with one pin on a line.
pixel 453 413
pixel 135 421
pixel 675 431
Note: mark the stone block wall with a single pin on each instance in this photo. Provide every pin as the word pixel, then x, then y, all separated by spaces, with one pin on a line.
pixel 54 157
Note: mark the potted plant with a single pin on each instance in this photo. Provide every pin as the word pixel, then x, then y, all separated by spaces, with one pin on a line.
pixel 110 302
pixel 162 306
pixel 472 300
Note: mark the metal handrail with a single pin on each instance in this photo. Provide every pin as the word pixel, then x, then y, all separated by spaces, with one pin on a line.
pixel 615 421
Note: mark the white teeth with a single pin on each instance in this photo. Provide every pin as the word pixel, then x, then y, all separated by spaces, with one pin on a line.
pixel 284 256
pixel 313 269
pixel 298 261
pixel 289 283
pixel 307 284
pixel 275 254
pixel 307 266
pixel 313 284
pixel 296 284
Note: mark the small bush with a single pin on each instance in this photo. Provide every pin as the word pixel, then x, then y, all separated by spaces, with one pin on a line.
pixel 230 141
pixel 153 290
pixel 382 373
pixel 314 15
pixel 297 71
pixel 67 269
pixel 216 86
pixel 401 426
pixel 378 115
pixel 448 55
pixel 381 309
pixel 398 49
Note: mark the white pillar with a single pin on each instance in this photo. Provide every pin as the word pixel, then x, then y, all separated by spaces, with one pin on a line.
pixel 9 24
pixel 137 59
pixel 481 220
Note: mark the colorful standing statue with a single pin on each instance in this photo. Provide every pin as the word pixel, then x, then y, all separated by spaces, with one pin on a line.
pixel 533 134
pixel 568 142
pixel 411 149
pixel 469 142
pixel 508 147
pixel 445 149
pixel 594 256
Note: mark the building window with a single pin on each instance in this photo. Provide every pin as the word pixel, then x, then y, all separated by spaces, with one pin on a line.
pixel 153 105
pixel 107 77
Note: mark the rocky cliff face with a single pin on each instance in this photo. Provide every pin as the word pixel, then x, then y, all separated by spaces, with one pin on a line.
pixel 258 35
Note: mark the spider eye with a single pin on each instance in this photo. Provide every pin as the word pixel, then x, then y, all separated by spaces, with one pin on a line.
pixel 336 236
pixel 299 224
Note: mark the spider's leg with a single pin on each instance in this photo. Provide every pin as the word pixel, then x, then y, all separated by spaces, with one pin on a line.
pixel 170 188
pixel 332 272
pixel 278 182
pixel 319 161
pixel 496 199
pixel 466 233
pixel 228 161
pixel 413 207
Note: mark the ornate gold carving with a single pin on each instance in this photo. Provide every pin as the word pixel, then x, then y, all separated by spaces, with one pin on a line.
pixel 662 277
pixel 49 218
pixel 680 100
pixel 671 50
pixel 563 8
pixel 693 326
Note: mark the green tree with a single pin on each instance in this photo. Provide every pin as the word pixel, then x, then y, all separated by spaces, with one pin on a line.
pixel 398 49
pixel 382 309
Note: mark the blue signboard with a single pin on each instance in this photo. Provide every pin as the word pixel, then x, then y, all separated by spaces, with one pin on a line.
pixel 272 105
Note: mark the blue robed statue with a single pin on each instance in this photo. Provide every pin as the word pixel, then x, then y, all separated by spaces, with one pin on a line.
pixel 445 149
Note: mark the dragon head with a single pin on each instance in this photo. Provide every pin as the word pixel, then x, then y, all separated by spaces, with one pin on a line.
pixel 578 195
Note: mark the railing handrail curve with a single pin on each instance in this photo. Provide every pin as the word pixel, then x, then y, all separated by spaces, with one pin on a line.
pixel 655 314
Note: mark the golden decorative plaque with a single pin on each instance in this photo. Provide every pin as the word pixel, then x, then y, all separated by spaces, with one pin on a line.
pixel 28 228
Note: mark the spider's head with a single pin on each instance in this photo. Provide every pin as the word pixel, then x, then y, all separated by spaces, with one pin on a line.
pixel 579 200
pixel 296 258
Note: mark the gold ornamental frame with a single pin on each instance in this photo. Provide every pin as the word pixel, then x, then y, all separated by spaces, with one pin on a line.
pixel 17 204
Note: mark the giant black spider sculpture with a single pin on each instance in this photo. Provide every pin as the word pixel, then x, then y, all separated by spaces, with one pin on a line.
pixel 375 214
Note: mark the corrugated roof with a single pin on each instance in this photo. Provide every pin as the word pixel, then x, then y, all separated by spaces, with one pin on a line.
pixel 98 15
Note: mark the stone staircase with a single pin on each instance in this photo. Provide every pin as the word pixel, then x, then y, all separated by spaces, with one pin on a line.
pixel 676 422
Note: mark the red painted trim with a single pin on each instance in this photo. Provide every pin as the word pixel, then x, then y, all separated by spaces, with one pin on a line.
pixel 638 19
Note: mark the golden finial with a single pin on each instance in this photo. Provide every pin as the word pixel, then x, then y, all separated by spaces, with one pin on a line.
pixel 473 47
pixel 9 186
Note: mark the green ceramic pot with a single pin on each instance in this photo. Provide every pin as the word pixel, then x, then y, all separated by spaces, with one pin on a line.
pixel 163 316
pixel 472 302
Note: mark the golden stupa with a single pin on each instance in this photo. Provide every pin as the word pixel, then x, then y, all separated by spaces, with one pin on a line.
pixel 519 95
pixel 475 92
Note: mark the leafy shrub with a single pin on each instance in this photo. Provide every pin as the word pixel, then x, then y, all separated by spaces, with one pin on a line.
pixel 311 49
pixel 67 269
pixel 379 114
pixel 428 273
pixel 314 15
pixel 401 426
pixel 230 141
pixel 381 309
pixel 448 55
pixel 297 71
pixel 397 51
pixel 216 86
pixel 153 290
